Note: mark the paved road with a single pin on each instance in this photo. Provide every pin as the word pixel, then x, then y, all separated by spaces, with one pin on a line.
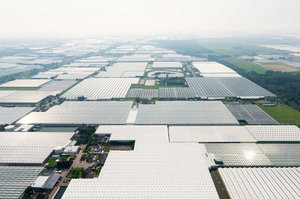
pixel 76 163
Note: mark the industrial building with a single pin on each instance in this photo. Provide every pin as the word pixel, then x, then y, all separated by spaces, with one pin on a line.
pixel 77 113
pixel 186 137
pixel 185 113
pixel 29 148
pixel 24 83
pixel 8 115
pixel 26 97
pixel 101 88
pixel 124 69
pixel 261 182
pixel 144 172
pixel 14 180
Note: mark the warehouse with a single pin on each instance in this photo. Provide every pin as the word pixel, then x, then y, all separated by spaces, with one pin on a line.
pixel 5 93
pixel 58 85
pixel 189 134
pixel 86 64
pixel 282 154
pixel 83 112
pixel 208 88
pixel 147 173
pixel 29 148
pixel 223 87
pixel 9 115
pixel 70 73
pixel 124 69
pixel 243 88
pixel 136 58
pixel 214 68
pixel 61 70
pixel 142 93
pixel 74 76
pixel 250 114
pixel 14 180
pixel 176 93
pixel 98 59
pixel 46 182
pixel 173 57
pixel 27 97
pixel 161 65
pixel 45 75
pixel 101 88
pixel 25 83
pixel 185 112
pixel 238 154
pixel 275 133
pixel 261 182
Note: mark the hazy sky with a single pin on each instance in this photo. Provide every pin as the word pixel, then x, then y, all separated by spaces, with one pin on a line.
pixel 74 17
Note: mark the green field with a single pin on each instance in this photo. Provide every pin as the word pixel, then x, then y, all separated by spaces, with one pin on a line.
pixel 283 114
pixel 233 48
pixel 248 66
pixel 51 162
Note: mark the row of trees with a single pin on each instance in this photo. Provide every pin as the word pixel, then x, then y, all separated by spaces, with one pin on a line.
pixel 286 85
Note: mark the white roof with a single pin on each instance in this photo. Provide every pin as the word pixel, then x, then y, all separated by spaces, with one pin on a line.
pixel 74 76
pixel 79 112
pixel 30 97
pixel 137 57
pixel 75 69
pixel 15 179
pixel 239 154
pixel 57 85
pixel 261 182
pixel 25 83
pixel 284 47
pixel 5 93
pixel 167 65
pixel 275 132
pixel 209 134
pixel 24 128
pixel 122 69
pixel 220 75
pixel 46 182
pixel 29 147
pixel 154 169
pixel 101 88
pixel 40 181
pixel 185 112
pixel 71 149
pixel 132 116
pixel 44 76
pixel 9 115
pixel 212 67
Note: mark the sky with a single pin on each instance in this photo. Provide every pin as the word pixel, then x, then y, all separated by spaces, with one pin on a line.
pixel 145 17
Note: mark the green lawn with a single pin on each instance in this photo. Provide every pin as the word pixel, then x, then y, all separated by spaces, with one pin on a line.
pixel 235 48
pixel 106 148
pixel 248 66
pixel 283 114
pixel 51 162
